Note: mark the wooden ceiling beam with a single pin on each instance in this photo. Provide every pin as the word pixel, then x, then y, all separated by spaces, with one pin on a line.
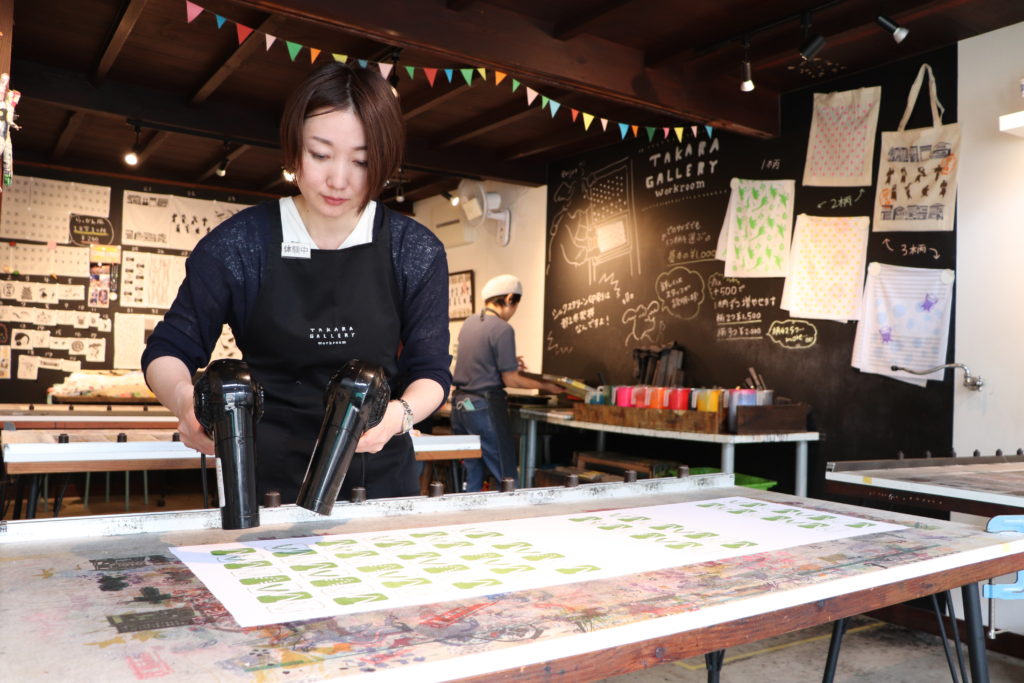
pixel 581 21
pixel 429 99
pixel 118 36
pixel 242 125
pixel 487 121
pixel 151 144
pixel 67 134
pixel 503 40
pixel 243 52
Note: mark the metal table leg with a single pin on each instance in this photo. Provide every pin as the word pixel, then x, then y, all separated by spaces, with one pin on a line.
pixel 975 633
pixel 531 454
pixel 728 460
pixel 801 468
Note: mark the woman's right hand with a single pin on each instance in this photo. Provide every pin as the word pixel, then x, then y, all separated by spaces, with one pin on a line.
pixel 192 433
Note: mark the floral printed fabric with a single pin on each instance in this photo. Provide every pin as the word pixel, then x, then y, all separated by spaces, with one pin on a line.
pixel 755 236
pixel 841 145
pixel 826 273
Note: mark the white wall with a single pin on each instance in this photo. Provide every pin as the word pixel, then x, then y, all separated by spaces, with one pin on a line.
pixel 523 257
pixel 990 256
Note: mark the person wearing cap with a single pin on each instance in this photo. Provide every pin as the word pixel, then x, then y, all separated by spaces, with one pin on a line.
pixel 486 363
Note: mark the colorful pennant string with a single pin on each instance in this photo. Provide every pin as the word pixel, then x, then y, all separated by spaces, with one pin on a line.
pixel 469 75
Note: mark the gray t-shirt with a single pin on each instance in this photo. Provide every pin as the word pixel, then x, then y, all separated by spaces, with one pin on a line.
pixel 487 348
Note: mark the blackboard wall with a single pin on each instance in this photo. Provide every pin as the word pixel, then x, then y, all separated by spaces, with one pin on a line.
pixel 651 278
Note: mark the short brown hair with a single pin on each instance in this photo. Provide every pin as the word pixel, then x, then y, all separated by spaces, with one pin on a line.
pixel 334 86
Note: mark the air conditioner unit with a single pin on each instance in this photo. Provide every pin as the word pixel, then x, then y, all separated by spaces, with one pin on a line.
pixel 448 224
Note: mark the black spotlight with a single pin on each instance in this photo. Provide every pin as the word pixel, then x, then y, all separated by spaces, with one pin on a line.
pixel 898 32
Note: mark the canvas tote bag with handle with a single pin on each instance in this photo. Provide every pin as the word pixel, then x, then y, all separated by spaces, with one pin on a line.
pixel 916 188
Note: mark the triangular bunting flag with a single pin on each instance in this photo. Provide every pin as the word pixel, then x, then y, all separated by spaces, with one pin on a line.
pixel 636 130
pixel 450 73
pixel 385 69
pixel 693 129
pixel 269 39
pixel 708 129
pixel 192 10
pixel 665 131
pixel 679 133
pixel 482 71
pixel 574 113
pixel 499 76
pixel 220 20
pixel 531 95
pixel 313 54
pixel 587 120
pixel 650 132
pixel 467 74
pixel 544 101
pixel 604 125
pixel 363 63
pixel 431 75
pixel 293 49
pixel 243 32
pixel 411 70
pixel 340 58
pixel 515 85
pixel 554 108
pixel 622 130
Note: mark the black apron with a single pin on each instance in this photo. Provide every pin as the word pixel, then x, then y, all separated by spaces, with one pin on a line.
pixel 310 317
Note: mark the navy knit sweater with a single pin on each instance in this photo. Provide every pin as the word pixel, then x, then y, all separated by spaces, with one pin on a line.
pixel 223 276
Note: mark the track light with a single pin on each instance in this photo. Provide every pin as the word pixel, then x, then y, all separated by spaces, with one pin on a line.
pixel 898 32
pixel 400 194
pixel 812 43
pixel 393 77
pixel 131 157
pixel 746 73
pixel 287 175
pixel 451 198
pixel 222 167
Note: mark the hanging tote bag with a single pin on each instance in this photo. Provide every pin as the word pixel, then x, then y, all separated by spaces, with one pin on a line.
pixel 841 144
pixel 916 188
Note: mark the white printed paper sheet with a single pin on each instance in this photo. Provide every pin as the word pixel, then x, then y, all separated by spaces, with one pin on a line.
pixel 273 581
pixel 169 221
pixel 904 321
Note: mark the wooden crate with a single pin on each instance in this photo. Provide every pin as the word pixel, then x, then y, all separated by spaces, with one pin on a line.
pixel 791 417
pixel 652 418
pixel 558 476
pixel 645 468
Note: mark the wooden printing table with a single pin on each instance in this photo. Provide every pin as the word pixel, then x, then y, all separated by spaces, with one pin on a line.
pixel 91 416
pixel 37 451
pixel 986 485
pixel 108 596
pixel 728 442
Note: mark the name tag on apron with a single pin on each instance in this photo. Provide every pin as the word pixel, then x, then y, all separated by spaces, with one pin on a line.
pixel 294 250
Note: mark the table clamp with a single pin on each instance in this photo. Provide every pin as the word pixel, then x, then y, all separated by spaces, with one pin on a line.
pixel 1006 591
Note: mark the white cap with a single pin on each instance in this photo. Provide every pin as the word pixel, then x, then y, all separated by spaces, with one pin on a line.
pixel 501 285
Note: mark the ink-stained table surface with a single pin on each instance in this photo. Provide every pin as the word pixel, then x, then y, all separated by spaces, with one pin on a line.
pixel 985 485
pixel 104 599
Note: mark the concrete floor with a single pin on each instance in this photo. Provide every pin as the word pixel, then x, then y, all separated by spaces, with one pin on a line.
pixel 872 652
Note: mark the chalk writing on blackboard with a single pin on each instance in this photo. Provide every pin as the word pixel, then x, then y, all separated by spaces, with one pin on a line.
pixel 642 321
pixel 556 348
pixel 846 200
pixel 739 315
pixel 904 249
pixel 793 334
pixel 91 229
pixel 594 226
pixel 688 242
pixel 681 292
pixel 683 169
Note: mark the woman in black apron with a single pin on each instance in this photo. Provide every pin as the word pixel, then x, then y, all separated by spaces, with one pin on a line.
pixel 340 278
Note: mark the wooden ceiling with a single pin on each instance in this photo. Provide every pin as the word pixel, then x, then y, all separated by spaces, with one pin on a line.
pixel 90 70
